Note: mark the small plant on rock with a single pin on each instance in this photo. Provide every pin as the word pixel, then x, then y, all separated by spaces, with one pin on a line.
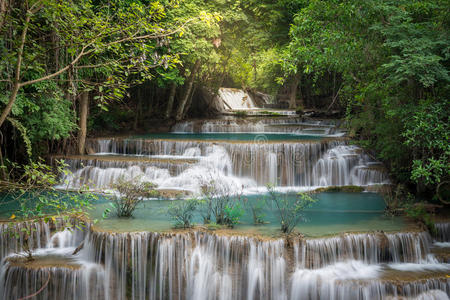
pixel 290 210
pixel 220 204
pixel 256 208
pixel 182 212
pixel 131 194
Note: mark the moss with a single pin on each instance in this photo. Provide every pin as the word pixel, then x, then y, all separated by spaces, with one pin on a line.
pixel 270 113
pixel 299 110
pixel 345 189
pixel 215 226
pixel 240 114
pixel 172 194
pixel 40 262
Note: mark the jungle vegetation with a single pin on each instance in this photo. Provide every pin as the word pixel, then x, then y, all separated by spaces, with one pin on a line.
pixel 77 68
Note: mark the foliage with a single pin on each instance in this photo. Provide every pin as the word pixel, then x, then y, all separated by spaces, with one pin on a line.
pixel 345 189
pixel 90 47
pixel 182 212
pixel 257 210
pixel 131 193
pixel 426 134
pixel 23 131
pixel 419 213
pixel 219 204
pixel 395 199
pixel 290 211
pixel 270 113
pixel 35 197
pixel 390 62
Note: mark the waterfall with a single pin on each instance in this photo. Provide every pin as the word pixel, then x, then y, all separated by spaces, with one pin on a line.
pixel 346 165
pixel 368 248
pixel 248 164
pixel 235 99
pixel 293 125
pixel 442 232
pixel 12 238
pixel 200 265
pixel 74 282
pixel 272 168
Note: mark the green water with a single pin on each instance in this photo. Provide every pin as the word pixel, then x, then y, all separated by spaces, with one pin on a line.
pixel 333 213
pixel 257 137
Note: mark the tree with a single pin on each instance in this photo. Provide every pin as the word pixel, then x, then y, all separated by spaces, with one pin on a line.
pixel 388 64
pixel 105 48
pixel 35 198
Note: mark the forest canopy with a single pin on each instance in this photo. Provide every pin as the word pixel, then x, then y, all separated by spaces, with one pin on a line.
pixel 72 68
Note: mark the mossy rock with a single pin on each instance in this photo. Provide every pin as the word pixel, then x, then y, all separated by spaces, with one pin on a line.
pixel 240 114
pixel 345 189
pixel 171 194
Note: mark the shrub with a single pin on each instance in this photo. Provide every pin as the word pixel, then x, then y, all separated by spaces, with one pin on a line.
pixel 290 211
pixel 218 203
pixel 131 194
pixel 418 212
pixel 182 212
pixel 256 209
pixel 299 110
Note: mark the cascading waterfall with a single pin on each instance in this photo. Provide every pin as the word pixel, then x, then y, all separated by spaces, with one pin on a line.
pixel 442 232
pixel 235 99
pixel 292 125
pixel 13 238
pixel 69 282
pixel 101 174
pixel 199 265
pixel 305 164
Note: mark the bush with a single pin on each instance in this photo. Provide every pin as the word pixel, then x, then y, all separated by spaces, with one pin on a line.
pixel 290 211
pixel 256 210
pixel 182 212
pixel 131 194
pixel 219 204
pixel 418 212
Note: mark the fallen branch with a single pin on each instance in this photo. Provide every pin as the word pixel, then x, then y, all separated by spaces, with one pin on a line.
pixel 40 290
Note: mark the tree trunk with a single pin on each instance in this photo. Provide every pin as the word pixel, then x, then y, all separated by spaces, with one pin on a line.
pixel 16 85
pixel 188 105
pixel 12 99
pixel 3 172
pixel 293 94
pixel 84 107
pixel 138 109
pixel 173 90
pixel 189 84
pixel 3 12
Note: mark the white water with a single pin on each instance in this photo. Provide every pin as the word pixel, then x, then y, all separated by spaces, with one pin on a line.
pixel 239 166
pixel 290 125
pixel 207 266
pixel 235 99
